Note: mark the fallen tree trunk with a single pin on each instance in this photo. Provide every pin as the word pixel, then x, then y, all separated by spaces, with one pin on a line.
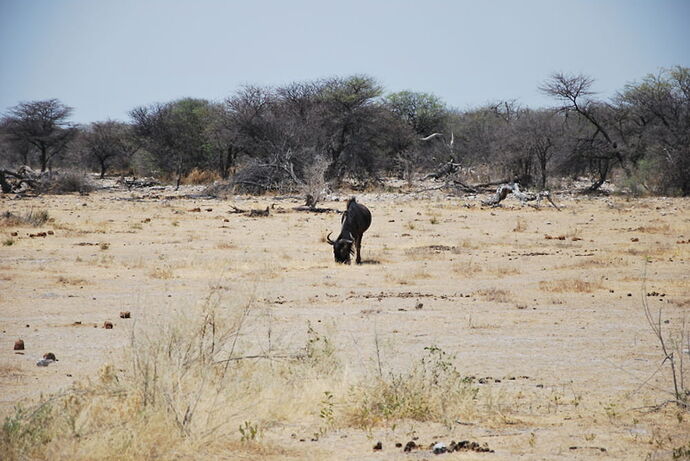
pixel 504 189
pixel 18 181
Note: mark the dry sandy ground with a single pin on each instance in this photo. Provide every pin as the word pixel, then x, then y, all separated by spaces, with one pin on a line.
pixel 556 325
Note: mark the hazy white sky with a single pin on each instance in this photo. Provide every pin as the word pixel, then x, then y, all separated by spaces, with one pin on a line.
pixel 105 57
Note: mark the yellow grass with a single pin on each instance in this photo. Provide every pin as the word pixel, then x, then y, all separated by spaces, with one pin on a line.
pixel 570 285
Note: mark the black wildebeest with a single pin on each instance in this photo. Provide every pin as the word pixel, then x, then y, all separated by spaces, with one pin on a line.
pixel 355 220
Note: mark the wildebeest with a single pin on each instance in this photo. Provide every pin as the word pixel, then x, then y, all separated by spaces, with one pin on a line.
pixel 355 220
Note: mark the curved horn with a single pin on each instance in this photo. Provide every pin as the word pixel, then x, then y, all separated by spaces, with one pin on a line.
pixel 328 239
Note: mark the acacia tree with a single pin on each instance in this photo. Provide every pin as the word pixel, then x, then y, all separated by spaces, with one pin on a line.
pixel 108 143
pixel 599 147
pixel 43 125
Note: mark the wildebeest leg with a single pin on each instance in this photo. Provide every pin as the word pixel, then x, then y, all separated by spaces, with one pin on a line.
pixel 358 244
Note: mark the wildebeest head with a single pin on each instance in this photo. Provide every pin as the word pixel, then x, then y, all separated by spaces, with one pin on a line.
pixel 342 248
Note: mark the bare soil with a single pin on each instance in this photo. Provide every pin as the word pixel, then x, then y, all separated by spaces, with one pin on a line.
pixel 543 306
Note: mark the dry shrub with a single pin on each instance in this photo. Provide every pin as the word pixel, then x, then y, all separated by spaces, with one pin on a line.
pixel 32 218
pixel 65 182
pixel 197 176
pixel 432 390
pixel 189 391
pixel 570 285
pixel 314 187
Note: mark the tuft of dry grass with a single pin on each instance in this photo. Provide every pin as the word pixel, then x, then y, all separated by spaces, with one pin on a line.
pixel 162 273
pixel 650 229
pixel 70 281
pixel 197 176
pixel 594 263
pixel 473 269
pixel 570 285
pixel 495 295
pixel 32 218
pixel 520 225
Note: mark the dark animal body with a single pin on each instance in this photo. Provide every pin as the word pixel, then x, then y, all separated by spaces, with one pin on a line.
pixel 355 221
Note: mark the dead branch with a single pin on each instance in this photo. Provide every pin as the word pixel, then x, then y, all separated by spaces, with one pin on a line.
pixel 261 356
pixel 255 213
pixel 445 169
pixel 259 213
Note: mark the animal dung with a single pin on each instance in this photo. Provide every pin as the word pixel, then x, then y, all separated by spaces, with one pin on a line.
pixel 108 325
pixel 125 315
pixel 19 345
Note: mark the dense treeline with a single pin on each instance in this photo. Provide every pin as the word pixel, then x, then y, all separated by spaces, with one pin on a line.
pixel 271 138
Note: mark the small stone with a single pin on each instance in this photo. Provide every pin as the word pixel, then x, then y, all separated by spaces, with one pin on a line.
pixel 19 345
pixel 108 325
pixel 378 446
pixel 439 448
pixel 409 446
pixel 125 315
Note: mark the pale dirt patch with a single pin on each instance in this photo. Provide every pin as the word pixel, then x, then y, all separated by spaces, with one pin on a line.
pixel 585 350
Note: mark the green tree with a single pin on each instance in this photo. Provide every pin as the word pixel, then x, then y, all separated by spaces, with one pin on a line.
pixel 176 134
pixel 424 112
pixel 659 107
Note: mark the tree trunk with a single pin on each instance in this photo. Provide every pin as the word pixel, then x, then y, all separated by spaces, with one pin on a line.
pixel 542 165
pixel 6 188
pixel 603 167
pixel 44 158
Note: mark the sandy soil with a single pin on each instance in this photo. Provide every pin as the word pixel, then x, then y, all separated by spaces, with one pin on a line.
pixel 545 305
